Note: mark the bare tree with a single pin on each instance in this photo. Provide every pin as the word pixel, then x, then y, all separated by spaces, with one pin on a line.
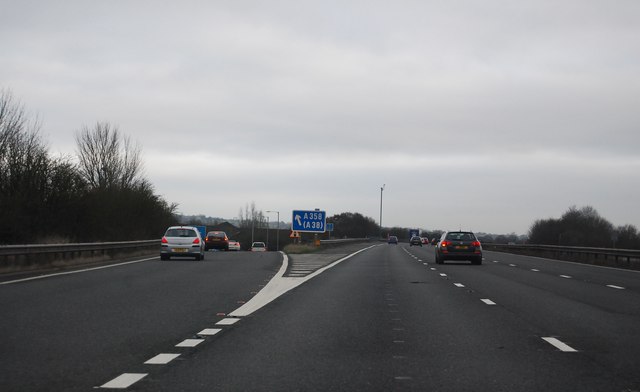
pixel 107 158
pixel 26 187
pixel 12 120
pixel 24 158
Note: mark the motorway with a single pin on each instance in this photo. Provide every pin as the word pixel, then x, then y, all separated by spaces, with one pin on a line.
pixel 372 317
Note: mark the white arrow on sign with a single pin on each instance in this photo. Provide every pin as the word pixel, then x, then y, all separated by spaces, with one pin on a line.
pixel 298 219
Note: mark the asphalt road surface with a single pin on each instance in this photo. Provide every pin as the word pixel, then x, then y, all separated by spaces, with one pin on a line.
pixel 384 319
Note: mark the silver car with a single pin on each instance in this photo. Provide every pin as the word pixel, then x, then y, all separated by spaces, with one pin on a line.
pixel 258 247
pixel 182 241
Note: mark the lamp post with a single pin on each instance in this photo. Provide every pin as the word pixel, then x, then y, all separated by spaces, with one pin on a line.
pixel 381 189
pixel 267 232
pixel 277 231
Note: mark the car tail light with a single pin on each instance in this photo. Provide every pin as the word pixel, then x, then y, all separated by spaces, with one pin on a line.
pixel 476 244
pixel 164 240
pixel 444 244
pixel 196 241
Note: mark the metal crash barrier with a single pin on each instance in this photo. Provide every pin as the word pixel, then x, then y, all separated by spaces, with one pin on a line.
pixel 608 257
pixel 38 256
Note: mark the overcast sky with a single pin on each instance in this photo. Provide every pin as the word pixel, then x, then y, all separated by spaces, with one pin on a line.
pixel 482 115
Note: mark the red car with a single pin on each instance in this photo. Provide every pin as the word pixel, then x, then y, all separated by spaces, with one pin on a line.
pixel 216 240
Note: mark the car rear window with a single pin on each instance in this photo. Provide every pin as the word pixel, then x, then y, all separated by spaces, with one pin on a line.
pixel 218 234
pixel 461 236
pixel 181 233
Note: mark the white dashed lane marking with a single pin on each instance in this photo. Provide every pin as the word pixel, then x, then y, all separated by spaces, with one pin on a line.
pixel 162 359
pixel 228 321
pixel 560 345
pixel 209 331
pixel 488 301
pixel 615 287
pixel 565 276
pixel 458 284
pixel 124 381
pixel 190 343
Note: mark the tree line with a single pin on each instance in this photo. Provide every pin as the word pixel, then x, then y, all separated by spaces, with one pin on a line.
pixel 583 227
pixel 100 196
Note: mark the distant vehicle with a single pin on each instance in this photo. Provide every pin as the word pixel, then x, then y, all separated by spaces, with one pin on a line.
pixel 459 245
pixel 415 240
pixel 258 247
pixel 434 241
pixel 393 240
pixel 425 241
pixel 182 241
pixel 216 240
pixel 234 245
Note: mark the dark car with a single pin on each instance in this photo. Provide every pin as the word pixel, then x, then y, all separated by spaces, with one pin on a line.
pixel 392 240
pixel 415 240
pixel 216 240
pixel 459 245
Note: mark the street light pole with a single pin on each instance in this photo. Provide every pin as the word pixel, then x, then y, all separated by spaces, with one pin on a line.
pixel 277 231
pixel 267 232
pixel 381 189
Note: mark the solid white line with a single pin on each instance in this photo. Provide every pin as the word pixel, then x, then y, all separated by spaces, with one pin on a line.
pixel 281 284
pixel 76 271
pixel 488 301
pixel 162 359
pixel 124 380
pixel 228 321
pixel 560 345
pixel 615 287
pixel 190 343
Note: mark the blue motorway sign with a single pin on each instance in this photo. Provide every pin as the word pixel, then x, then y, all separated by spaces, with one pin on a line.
pixel 309 221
